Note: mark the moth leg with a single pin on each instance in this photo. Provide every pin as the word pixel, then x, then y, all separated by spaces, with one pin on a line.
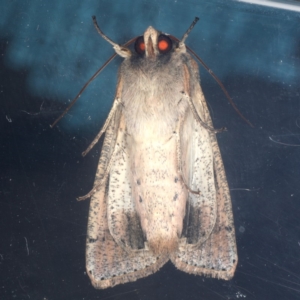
pixel 104 178
pixel 116 103
pixel 179 161
pixel 110 157
pixel 187 97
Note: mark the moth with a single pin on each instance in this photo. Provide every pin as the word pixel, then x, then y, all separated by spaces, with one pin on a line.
pixel 160 191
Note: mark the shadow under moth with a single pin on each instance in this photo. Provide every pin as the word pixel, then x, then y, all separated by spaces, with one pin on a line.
pixel 160 191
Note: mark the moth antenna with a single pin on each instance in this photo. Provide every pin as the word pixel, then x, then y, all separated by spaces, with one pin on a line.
pixel 181 43
pixel 122 51
pixel 102 33
pixel 97 72
pixel 82 89
pixel 188 31
pixel 212 74
pixel 221 86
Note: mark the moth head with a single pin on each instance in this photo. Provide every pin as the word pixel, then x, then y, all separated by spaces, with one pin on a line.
pixel 153 43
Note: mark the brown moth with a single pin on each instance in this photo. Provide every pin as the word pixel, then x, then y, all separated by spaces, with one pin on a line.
pixel 160 191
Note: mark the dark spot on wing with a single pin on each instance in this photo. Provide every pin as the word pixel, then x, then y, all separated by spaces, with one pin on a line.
pixel 192 224
pixel 93 240
pixel 228 228
pixel 134 232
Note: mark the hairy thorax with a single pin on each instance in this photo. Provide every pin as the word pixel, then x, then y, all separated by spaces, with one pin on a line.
pixel 156 107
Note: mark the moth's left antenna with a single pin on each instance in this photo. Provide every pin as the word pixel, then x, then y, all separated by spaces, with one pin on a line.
pixel 120 50
pixel 123 51
pixel 81 91
pixel 102 33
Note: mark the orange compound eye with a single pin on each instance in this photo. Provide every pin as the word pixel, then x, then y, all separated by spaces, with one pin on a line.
pixel 164 44
pixel 139 45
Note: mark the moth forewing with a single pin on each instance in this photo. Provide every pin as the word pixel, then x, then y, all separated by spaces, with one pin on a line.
pixel 216 255
pixel 108 262
pixel 200 217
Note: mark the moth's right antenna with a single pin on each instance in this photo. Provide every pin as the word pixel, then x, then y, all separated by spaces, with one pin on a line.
pixel 181 44
pixel 188 31
pixel 221 85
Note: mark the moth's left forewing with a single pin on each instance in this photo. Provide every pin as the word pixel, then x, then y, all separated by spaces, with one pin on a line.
pixel 114 235
pixel 208 245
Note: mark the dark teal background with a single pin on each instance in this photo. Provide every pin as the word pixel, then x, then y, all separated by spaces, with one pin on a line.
pixel 49 49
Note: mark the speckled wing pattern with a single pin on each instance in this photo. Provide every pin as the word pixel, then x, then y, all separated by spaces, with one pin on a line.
pixel 116 250
pixel 110 263
pixel 208 245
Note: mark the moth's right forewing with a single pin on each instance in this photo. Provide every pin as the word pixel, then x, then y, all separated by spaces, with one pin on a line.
pixel 201 209
pixel 209 246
